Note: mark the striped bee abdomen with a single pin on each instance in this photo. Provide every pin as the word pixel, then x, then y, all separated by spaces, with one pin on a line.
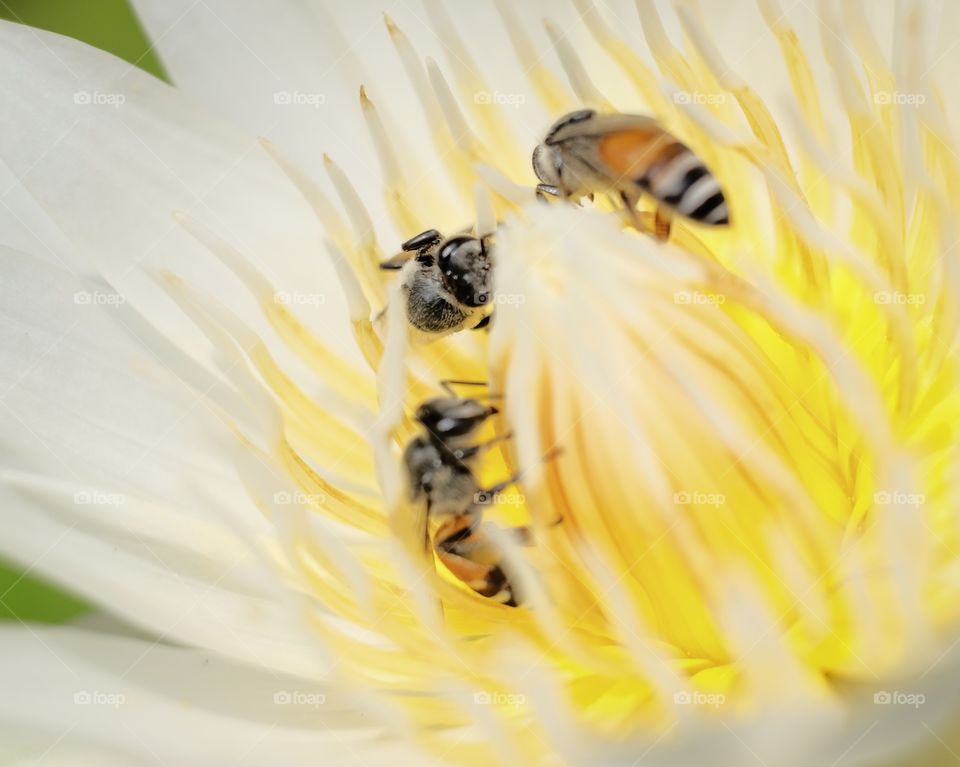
pixel 682 181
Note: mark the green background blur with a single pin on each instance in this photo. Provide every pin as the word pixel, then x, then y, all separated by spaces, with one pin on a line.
pixel 112 26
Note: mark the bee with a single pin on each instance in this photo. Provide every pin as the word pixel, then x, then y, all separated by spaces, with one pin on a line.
pixel 631 155
pixel 466 550
pixel 446 281
pixel 440 465
pixel 440 460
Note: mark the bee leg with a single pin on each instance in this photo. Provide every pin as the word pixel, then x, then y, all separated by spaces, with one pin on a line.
pixel 543 190
pixel 485 322
pixel 662 222
pixel 487 495
pixel 630 206
pixel 491 442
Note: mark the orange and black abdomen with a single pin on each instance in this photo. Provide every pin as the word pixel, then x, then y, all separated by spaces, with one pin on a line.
pixel 667 170
pixel 468 554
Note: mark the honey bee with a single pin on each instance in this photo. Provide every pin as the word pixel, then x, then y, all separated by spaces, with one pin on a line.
pixel 446 281
pixel 440 460
pixel 440 466
pixel 585 153
pixel 465 548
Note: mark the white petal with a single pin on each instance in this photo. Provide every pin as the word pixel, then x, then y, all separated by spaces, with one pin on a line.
pixel 284 71
pixel 208 598
pixel 80 400
pixel 136 469
pixel 82 694
pixel 111 172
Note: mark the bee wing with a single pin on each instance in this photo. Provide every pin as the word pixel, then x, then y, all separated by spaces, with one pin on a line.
pixel 601 125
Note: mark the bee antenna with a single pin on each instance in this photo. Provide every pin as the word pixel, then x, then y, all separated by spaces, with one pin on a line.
pixel 447 384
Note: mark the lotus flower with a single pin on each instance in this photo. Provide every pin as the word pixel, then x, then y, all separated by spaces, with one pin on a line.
pixel 747 550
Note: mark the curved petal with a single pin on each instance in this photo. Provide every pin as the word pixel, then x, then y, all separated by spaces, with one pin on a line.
pixel 79 400
pixel 85 695
pixel 109 153
pixel 113 473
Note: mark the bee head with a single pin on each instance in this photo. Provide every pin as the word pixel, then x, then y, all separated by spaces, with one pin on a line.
pixel 447 417
pixel 546 164
pixel 465 270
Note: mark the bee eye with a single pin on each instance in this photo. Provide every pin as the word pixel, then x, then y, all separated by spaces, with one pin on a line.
pixel 450 247
pixel 465 270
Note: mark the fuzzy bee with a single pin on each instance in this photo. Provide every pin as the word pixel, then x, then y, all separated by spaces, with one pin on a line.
pixel 440 460
pixel 630 155
pixel 445 281
pixel 440 465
